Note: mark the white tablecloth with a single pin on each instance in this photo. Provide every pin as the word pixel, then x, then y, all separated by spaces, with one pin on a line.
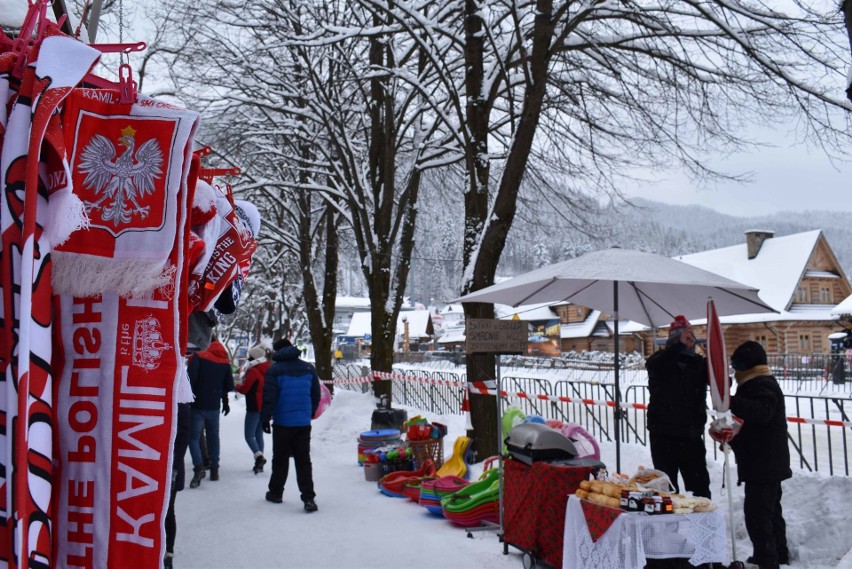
pixel 634 537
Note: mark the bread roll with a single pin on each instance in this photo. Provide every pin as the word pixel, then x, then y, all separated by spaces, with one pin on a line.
pixel 581 494
pixel 586 485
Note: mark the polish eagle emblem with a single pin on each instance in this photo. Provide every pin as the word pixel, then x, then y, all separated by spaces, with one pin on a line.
pixel 120 181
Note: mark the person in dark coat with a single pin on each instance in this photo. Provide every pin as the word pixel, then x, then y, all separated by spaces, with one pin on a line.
pixel 677 409
pixel 184 420
pixel 291 395
pixel 254 375
pixel 211 379
pixel 762 453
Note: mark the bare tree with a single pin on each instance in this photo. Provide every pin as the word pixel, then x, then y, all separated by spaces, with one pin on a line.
pixel 602 88
pixel 515 94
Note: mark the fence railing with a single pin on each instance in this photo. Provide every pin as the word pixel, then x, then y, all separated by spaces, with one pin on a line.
pixel 818 422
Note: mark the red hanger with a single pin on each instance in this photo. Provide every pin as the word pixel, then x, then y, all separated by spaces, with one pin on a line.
pixel 126 85
pixel 119 47
pixel 207 174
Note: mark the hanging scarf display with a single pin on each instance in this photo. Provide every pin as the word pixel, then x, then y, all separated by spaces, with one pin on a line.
pixel 230 245
pixel 98 196
pixel 128 165
pixel 36 196
pixel 122 355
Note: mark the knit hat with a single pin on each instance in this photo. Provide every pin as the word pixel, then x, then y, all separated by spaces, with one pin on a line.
pixel 256 352
pixel 748 355
pixel 680 322
pixel 282 343
pixel 676 328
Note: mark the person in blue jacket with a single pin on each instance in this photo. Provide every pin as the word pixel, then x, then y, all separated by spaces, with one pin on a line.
pixel 291 395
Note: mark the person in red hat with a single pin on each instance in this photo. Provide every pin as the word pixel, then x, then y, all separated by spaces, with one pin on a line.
pixel 677 409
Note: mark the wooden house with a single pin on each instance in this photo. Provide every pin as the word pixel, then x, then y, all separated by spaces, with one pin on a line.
pixel 798 275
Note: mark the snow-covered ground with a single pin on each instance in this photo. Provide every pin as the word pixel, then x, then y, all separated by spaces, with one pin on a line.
pixel 228 524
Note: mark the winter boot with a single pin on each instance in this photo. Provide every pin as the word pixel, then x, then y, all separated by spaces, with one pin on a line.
pixel 259 461
pixel 199 473
pixel 311 506
pixel 274 498
pixel 214 474
pixel 167 560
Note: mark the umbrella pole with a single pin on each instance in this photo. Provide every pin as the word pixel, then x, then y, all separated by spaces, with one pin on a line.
pixel 500 435
pixel 617 415
pixel 727 451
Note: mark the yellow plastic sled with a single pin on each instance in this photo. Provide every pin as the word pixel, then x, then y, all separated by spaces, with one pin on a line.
pixel 456 466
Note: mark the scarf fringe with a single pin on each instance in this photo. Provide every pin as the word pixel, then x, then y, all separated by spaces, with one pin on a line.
pixel 183 393
pixel 87 275
pixel 66 214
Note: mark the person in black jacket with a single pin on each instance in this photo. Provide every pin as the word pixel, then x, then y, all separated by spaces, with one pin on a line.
pixel 184 418
pixel 211 379
pixel 762 454
pixel 291 395
pixel 677 409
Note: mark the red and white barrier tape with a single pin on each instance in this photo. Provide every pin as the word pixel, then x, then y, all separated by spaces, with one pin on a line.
pixel 827 422
pixel 482 389
pixel 478 387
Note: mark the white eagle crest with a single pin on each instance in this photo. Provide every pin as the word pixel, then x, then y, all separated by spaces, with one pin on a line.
pixel 123 179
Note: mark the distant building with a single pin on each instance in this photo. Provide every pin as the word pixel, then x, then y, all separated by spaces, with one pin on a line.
pixel 797 275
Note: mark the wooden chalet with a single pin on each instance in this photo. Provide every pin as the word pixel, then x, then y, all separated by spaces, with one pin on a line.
pixel 798 275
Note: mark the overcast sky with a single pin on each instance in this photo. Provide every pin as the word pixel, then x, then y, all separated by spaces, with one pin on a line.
pixel 786 178
pixel 793 178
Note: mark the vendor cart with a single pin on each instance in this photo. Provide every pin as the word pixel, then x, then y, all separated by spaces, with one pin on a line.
pixel 534 500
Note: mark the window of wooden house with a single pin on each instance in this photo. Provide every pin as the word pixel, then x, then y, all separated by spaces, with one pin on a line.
pixel 825 295
pixel 762 341
pixel 802 294
pixel 804 343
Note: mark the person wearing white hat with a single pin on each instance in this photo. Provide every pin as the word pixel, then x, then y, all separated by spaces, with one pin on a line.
pixel 251 386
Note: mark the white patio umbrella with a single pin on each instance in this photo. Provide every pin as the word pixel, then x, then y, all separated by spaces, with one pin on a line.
pixel 644 287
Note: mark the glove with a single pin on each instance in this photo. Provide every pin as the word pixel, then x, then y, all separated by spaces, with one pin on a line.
pixel 267 428
pixel 722 431
pixel 226 408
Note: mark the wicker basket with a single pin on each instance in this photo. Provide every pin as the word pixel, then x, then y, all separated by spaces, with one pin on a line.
pixel 429 448
pixel 397 466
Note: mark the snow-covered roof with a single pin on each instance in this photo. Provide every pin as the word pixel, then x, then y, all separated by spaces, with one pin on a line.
pixel 775 271
pixel 531 312
pixel 454 308
pixel 359 326
pixel 452 336
pixel 351 302
pixel 419 324
pixel 625 327
pixel 845 307
pixel 580 329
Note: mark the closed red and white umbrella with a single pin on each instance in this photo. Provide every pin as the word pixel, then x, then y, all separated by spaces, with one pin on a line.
pixel 725 426
pixel 717 361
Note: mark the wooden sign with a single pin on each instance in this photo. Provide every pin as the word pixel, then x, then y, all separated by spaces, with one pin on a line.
pixel 483 335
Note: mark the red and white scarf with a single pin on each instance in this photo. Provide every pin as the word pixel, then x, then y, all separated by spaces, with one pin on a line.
pixel 129 163
pixel 230 243
pixel 36 194
pixel 116 407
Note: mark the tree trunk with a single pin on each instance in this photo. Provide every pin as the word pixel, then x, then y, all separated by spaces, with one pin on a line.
pixel 487 224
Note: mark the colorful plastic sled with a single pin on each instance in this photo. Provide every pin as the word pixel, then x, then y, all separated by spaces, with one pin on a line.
pixel 456 466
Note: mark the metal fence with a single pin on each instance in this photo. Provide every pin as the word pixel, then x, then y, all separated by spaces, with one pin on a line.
pixel 819 434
